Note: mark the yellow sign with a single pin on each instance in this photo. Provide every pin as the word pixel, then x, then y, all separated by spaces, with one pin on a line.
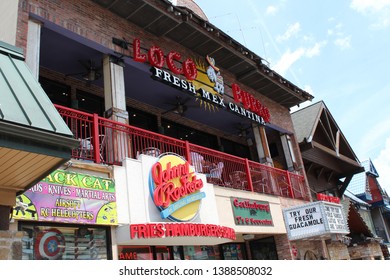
pixel 175 189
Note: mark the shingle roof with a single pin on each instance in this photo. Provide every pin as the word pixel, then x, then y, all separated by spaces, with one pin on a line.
pixel 357 186
pixel 355 198
pixel 369 167
pixel 358 183
pixel 305 120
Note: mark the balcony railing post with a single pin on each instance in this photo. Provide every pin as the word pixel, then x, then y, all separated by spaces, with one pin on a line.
pixel 188 152
pixel 95 138
pixel 290 188
pixel 248 174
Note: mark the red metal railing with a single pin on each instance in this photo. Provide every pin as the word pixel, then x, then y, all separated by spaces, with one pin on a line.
pixel 117 141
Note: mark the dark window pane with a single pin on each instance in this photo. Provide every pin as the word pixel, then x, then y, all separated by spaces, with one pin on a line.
pixel 142 119
pixel 57 92
pixel 90 103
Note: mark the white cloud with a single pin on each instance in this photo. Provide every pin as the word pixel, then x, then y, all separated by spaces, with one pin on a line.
pixel 364 6
pixel 301 106
pixel 378 10
pixel 271 10
pixel 308 89
pixel 315 50
pixel 292 30
pixel 382 165
pixel 343 43
pixel 288 59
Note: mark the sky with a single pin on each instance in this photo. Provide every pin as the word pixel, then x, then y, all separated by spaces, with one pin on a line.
pixel 338 51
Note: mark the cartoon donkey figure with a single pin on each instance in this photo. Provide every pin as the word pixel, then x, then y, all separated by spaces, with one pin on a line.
pixel 215 76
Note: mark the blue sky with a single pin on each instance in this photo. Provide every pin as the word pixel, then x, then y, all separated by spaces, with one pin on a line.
pixel 339 51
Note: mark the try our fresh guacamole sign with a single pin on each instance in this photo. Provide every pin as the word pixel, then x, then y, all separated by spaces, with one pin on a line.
pixel 69 197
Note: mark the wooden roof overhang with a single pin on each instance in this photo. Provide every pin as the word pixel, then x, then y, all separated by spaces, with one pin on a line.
pixel 323 161
pixel 181 25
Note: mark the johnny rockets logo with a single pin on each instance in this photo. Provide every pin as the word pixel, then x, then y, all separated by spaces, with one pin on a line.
pixel 175 189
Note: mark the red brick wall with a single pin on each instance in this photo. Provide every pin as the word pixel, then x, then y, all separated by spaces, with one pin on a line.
pixel 283 247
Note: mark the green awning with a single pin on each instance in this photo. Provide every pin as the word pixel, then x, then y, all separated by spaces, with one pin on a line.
pixel 22 99
pixel 34 139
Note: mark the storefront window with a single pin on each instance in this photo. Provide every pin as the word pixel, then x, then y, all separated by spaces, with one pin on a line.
pixel 233 251
pixel 201 252
pixel 264 249
pixel 177 252
pixel 64 243
pixel 135 253
pixel 163 253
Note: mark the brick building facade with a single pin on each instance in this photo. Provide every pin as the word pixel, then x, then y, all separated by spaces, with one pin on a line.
pixel 59 36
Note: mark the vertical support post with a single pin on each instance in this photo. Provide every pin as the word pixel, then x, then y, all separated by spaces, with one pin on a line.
pixel 248 174
pixel 188 152
pixel 4 217
pixel 290 188
pixel 118 144
pixel 95 138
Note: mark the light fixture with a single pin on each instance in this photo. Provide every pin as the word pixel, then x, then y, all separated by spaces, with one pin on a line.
pixel 90 76
pixel 179 109
pixel 248 236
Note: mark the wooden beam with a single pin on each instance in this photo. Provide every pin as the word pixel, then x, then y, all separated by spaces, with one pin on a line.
pixel 333 153
pixel 309 168
pixel 338 143
pixel 321 170
pixel 330 174
pixel 345 184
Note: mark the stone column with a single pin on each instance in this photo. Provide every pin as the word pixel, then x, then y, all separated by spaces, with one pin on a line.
pixel 10 245
pixel 7 201
pixel 33 47
pixel 118 143
pixel 10 241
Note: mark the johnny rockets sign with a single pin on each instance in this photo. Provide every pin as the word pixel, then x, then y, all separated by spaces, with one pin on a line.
pixel 175 189
pixel 245 104
pixel 177 193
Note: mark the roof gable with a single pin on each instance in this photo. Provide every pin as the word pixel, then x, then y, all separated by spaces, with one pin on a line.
pixel 370 168
pixel 305 120
pixel 315 123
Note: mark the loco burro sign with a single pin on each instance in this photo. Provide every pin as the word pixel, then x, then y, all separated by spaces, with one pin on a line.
pixel 202 79
pixel 251 212
pixel 69 197
pixel 315 219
